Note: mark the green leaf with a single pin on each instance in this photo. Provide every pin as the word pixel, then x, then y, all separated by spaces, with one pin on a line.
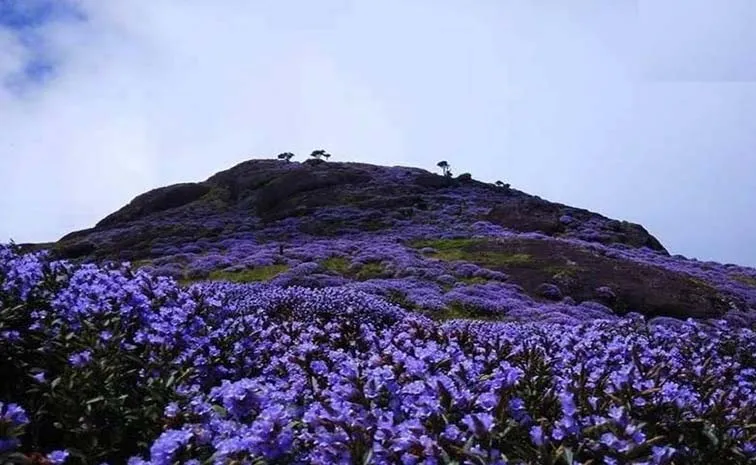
pixel 568 455
pixel 220 410
pixel 708 431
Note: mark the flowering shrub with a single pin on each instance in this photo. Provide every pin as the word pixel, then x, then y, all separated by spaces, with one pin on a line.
pixel 108 364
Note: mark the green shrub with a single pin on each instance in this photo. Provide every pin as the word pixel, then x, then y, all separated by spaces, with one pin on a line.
pixel 259 273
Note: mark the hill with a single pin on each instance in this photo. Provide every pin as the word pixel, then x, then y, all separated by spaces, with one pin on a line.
pixel 326 313
pixel 448 247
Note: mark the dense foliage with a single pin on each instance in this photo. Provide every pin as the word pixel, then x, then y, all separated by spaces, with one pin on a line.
pixel 110 364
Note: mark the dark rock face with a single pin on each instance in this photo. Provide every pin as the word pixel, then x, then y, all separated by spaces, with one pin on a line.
pixel 636 287
pixel 236 185
pixel 158 200
pixel 273 190
pixel 285 191
pixel 75 249
pixel 529 214
pixel 433 181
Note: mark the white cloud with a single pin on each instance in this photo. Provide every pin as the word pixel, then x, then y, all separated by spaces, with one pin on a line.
pixel 14 55
pixel 549 98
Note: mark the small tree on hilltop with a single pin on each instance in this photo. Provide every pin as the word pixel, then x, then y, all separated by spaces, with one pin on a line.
pixel 445 167
pixel 499 183
pixel 319 154
pixel 285 156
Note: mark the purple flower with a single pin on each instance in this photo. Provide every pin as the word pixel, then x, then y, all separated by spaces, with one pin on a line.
pixel 568 404
pixel 81 358
pixel 167 445
pixel 479 423
pixel 518 411
pixel 57 457
pixel 409 459
pixel 13 414
pixel 319 367
pixel 452 433
pixel 171 410
pixel 487 401
pixel 618 415
pixel 8 444
pixel 635 433
pixel 10 336
pixel 536 435
pixel 662 454
pixel 565 427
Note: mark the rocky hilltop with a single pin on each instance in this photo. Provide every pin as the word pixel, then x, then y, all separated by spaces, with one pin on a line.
pixel 450 247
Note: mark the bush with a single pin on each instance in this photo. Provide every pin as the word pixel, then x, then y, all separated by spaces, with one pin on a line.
pixel 549 291
pixel 89 356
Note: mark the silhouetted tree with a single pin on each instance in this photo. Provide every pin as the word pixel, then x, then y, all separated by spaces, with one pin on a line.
pixel 320 154
pixel 499 183
pixel 285 156
pixel 445 167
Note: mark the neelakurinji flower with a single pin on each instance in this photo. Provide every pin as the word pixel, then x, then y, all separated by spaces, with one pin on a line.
pixel 336 375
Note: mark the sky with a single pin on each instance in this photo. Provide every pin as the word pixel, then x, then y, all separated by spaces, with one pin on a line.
pixel 641 110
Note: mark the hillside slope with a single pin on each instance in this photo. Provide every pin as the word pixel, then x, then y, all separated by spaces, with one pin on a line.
pixel 449 247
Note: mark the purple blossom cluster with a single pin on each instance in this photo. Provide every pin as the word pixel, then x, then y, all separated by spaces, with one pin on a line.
pixel 259 373
pixel 12 419
pixel 417 276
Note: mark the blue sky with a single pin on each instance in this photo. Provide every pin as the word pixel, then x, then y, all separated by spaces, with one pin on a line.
pixel 641 110
pixel 22 21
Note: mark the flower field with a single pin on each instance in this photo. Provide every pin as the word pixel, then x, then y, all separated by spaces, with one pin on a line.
pixel 110 364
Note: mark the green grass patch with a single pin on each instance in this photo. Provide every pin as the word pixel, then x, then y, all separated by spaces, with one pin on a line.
pixel 745 279
pixel 458 311
pixel 341 266
pixel 370 270
pixel 469 250
pixel 140 263
pixel 473 280
pixel 338 265
pixel 446 244
pixel 261 273
pixel 509 259
pixel 562 269
pixel 400 299
pixel 467 281
pixel 702 284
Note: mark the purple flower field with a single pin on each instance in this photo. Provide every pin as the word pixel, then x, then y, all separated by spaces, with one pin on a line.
pixel 345 313
pixel 108 364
